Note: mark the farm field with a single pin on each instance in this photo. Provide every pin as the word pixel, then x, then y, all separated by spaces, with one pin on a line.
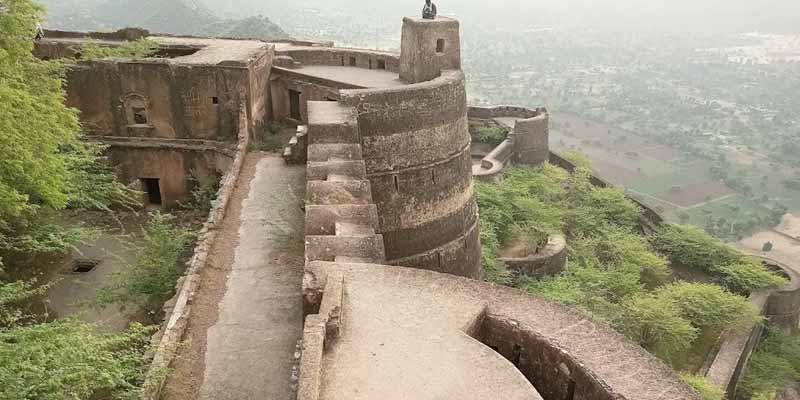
pixel 680 187
pixel 785 249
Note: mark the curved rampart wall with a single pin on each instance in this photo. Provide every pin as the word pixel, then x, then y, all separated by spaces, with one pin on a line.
pixel 528 143
pixel 560 351
pixel 336 56
pixel 502 112
pixel 492 166
pixel 416 146
pixel 549 261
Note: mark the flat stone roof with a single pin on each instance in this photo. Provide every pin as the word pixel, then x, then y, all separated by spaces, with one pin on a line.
pixel 405 335
pixel 215 51
pixel 210 51
pixel 367 78
pixel 400 340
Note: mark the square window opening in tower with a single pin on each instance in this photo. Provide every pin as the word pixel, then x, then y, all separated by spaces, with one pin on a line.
pixel 440 46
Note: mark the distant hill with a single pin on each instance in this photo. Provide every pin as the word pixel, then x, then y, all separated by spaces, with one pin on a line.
pixel 179 17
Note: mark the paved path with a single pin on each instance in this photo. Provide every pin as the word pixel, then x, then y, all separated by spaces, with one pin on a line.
pixel 248 319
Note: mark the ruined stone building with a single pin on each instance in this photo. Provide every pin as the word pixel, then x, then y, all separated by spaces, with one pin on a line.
pixel 392 301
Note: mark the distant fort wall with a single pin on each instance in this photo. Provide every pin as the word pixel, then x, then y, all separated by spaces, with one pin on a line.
pixel 417 151
pixel 526 144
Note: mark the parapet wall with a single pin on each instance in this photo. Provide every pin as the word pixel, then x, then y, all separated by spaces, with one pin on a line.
pixel 177 310
pixel 416 147
pixel 561 352
pixel 336 56
pixel 528 143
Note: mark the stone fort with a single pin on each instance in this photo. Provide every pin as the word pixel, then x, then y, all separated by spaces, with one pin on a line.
pixel 387 302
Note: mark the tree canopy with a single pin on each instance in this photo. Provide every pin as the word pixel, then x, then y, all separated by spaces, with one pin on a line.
pixel 44 163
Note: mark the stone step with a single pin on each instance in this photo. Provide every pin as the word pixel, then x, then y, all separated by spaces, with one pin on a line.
pixel 348 229
pixel 320 171
pixel 287 152
pixel 293 141
pixel 352 260
pixel 327 248
pixel 331 151
pixel 321 220
pixel 338 192
pixel 332 122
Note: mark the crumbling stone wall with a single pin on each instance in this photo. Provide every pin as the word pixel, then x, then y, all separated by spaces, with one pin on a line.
pixel 416 147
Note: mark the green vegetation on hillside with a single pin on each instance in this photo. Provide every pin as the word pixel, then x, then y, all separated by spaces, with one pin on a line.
pixel 615 273
pixel 179 17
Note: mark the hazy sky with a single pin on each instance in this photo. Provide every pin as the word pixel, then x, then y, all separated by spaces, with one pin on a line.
pixel 704 15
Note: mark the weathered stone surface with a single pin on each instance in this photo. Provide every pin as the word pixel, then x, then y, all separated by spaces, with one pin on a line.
pixel 465 339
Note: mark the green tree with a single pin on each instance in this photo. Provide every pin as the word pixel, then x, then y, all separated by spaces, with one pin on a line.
pixel 44 165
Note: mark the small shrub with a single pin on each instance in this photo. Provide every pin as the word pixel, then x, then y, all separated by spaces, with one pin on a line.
pixel 159 263
pixel 707 307
pixel 141 48
pixel 658 326
pixel 204 191
pixel 490 134
pixel 68 359
pixel 693 248
pixel 707 391
pixel 271 140
pixel 748 276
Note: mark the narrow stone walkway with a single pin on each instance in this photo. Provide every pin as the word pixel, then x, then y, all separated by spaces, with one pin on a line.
pixel 248 313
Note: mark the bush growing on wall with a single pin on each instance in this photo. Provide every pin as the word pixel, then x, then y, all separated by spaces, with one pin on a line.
pixel 693 248
pixel 614 273
pixel 141 48
pixel 159 263
pixel 772 367
pixel 707 391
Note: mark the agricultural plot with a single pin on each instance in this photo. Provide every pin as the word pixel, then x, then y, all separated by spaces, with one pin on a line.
pixel 681 188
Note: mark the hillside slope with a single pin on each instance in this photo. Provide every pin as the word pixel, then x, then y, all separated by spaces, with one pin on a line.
pixel 179 17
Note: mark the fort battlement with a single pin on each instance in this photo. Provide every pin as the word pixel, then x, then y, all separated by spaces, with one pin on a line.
pixel 391 224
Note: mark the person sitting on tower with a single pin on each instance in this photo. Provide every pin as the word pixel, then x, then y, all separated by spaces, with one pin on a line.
pixel 429 11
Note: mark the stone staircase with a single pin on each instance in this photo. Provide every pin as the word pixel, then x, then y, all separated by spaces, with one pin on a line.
pixel 297 151
pixel 341 217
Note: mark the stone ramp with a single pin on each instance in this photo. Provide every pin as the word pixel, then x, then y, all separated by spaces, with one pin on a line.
pixel 243 332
